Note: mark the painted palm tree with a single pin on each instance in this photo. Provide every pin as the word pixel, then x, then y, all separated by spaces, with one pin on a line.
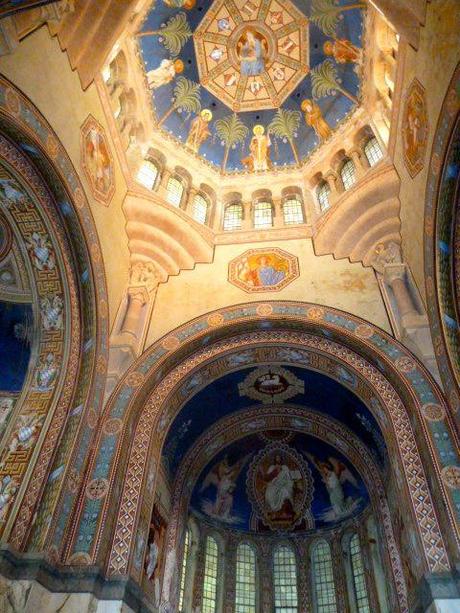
pixel 285 125
pixel 326 14
pixel 231 131
pixel 173 34
pixel 325 81
pixel 186 97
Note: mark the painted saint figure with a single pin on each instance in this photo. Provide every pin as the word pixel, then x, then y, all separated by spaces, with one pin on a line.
pixel 165 73
pixel 199 130
pixel 334 474
pixel 279 492
pixel 98 160
pixel 314 119
pixel 342 50
pixel 268 274
pixel 223 477
pixel 180 4
pixel 251 50
pixel 259 148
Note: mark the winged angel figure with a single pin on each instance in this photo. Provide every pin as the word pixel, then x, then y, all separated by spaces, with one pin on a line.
pixel 223 477
pixel 335 474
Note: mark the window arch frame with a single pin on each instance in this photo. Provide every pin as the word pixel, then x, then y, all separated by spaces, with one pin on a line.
pixel 247 608
pixel 215 566
pixel 285 608
pixel 234 206
pixel 267 205
pixel 362 602
pixel 371 146
pixel 156 179
pixel 325 607
pixel 299 201
pixel 348 174
pixel 207 205
pixel 323 185
pixel 184 567
pixel 178 181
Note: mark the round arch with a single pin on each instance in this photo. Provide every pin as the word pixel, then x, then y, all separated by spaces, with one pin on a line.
pixel 54 204
pixel 442 240
pixel 126 451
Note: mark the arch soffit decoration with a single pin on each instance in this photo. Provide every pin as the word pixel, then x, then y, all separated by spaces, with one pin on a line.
pixel 38 155
pixel 298 419
pixel 441 246
pixel 149 376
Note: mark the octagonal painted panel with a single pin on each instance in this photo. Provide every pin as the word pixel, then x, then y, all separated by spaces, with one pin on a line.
pixel 252 55
pixel 263 270
pixel 97 160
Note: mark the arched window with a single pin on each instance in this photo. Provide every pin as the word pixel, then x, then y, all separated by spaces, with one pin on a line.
pixel 200 208
pixel 359 579
pixel 323 579
pixel 263 215
pixel 285 580
pixel 348 174
pixel 373 151
pixel 148 174
pixel 233 218
pixel 174 189
pixel 184 569
pixel 292 211
pixel 210 576
pixel 322 193
pixel 245 593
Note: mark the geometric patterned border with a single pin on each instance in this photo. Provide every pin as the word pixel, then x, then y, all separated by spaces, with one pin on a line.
pixel 442 245
pixel 25 125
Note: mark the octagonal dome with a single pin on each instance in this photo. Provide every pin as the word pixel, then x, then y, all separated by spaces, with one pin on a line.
pixel 252 85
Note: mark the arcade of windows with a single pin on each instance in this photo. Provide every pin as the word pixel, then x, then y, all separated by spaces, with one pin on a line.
pixel 292 206
pixel 285 577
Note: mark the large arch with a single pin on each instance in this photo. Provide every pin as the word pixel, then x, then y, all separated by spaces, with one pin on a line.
pixel 442 239
pixel 54 204
pixel 419 428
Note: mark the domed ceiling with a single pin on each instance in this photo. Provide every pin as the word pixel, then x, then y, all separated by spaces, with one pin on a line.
pixel 252 85
pixel 307 467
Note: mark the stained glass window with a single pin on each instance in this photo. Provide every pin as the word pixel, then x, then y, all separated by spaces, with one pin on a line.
pixel 184 570
pixel 323 579
pixel 210 576
pixel 292 211
pixel 233 217
pixel 175 189
pixel 373 151
pixel 359 579
pixel 348 174
pixel 322 194
pixel 285 580
pixel 148 174
pixel 245 594
pixel 200 209
pixel 263 215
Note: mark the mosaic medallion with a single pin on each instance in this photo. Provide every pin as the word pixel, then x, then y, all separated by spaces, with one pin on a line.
pixel 271 385
pixel 263 270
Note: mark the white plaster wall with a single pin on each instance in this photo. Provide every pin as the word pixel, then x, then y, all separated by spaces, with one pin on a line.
pixel 322 280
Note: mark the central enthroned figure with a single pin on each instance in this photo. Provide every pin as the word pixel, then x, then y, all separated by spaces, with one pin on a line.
pixel 251 50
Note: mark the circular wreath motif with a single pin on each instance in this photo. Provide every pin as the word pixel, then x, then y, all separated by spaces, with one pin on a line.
pixel 97 489
pixel 264 310
pixel 405 364
pixel 433 412
pixel 135 379
pixel 451 477
pixel 216 319
pixel 170 343
pixel 364 331
pixel 112 426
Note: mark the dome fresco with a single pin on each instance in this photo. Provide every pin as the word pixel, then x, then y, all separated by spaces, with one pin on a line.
pixel 251 86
